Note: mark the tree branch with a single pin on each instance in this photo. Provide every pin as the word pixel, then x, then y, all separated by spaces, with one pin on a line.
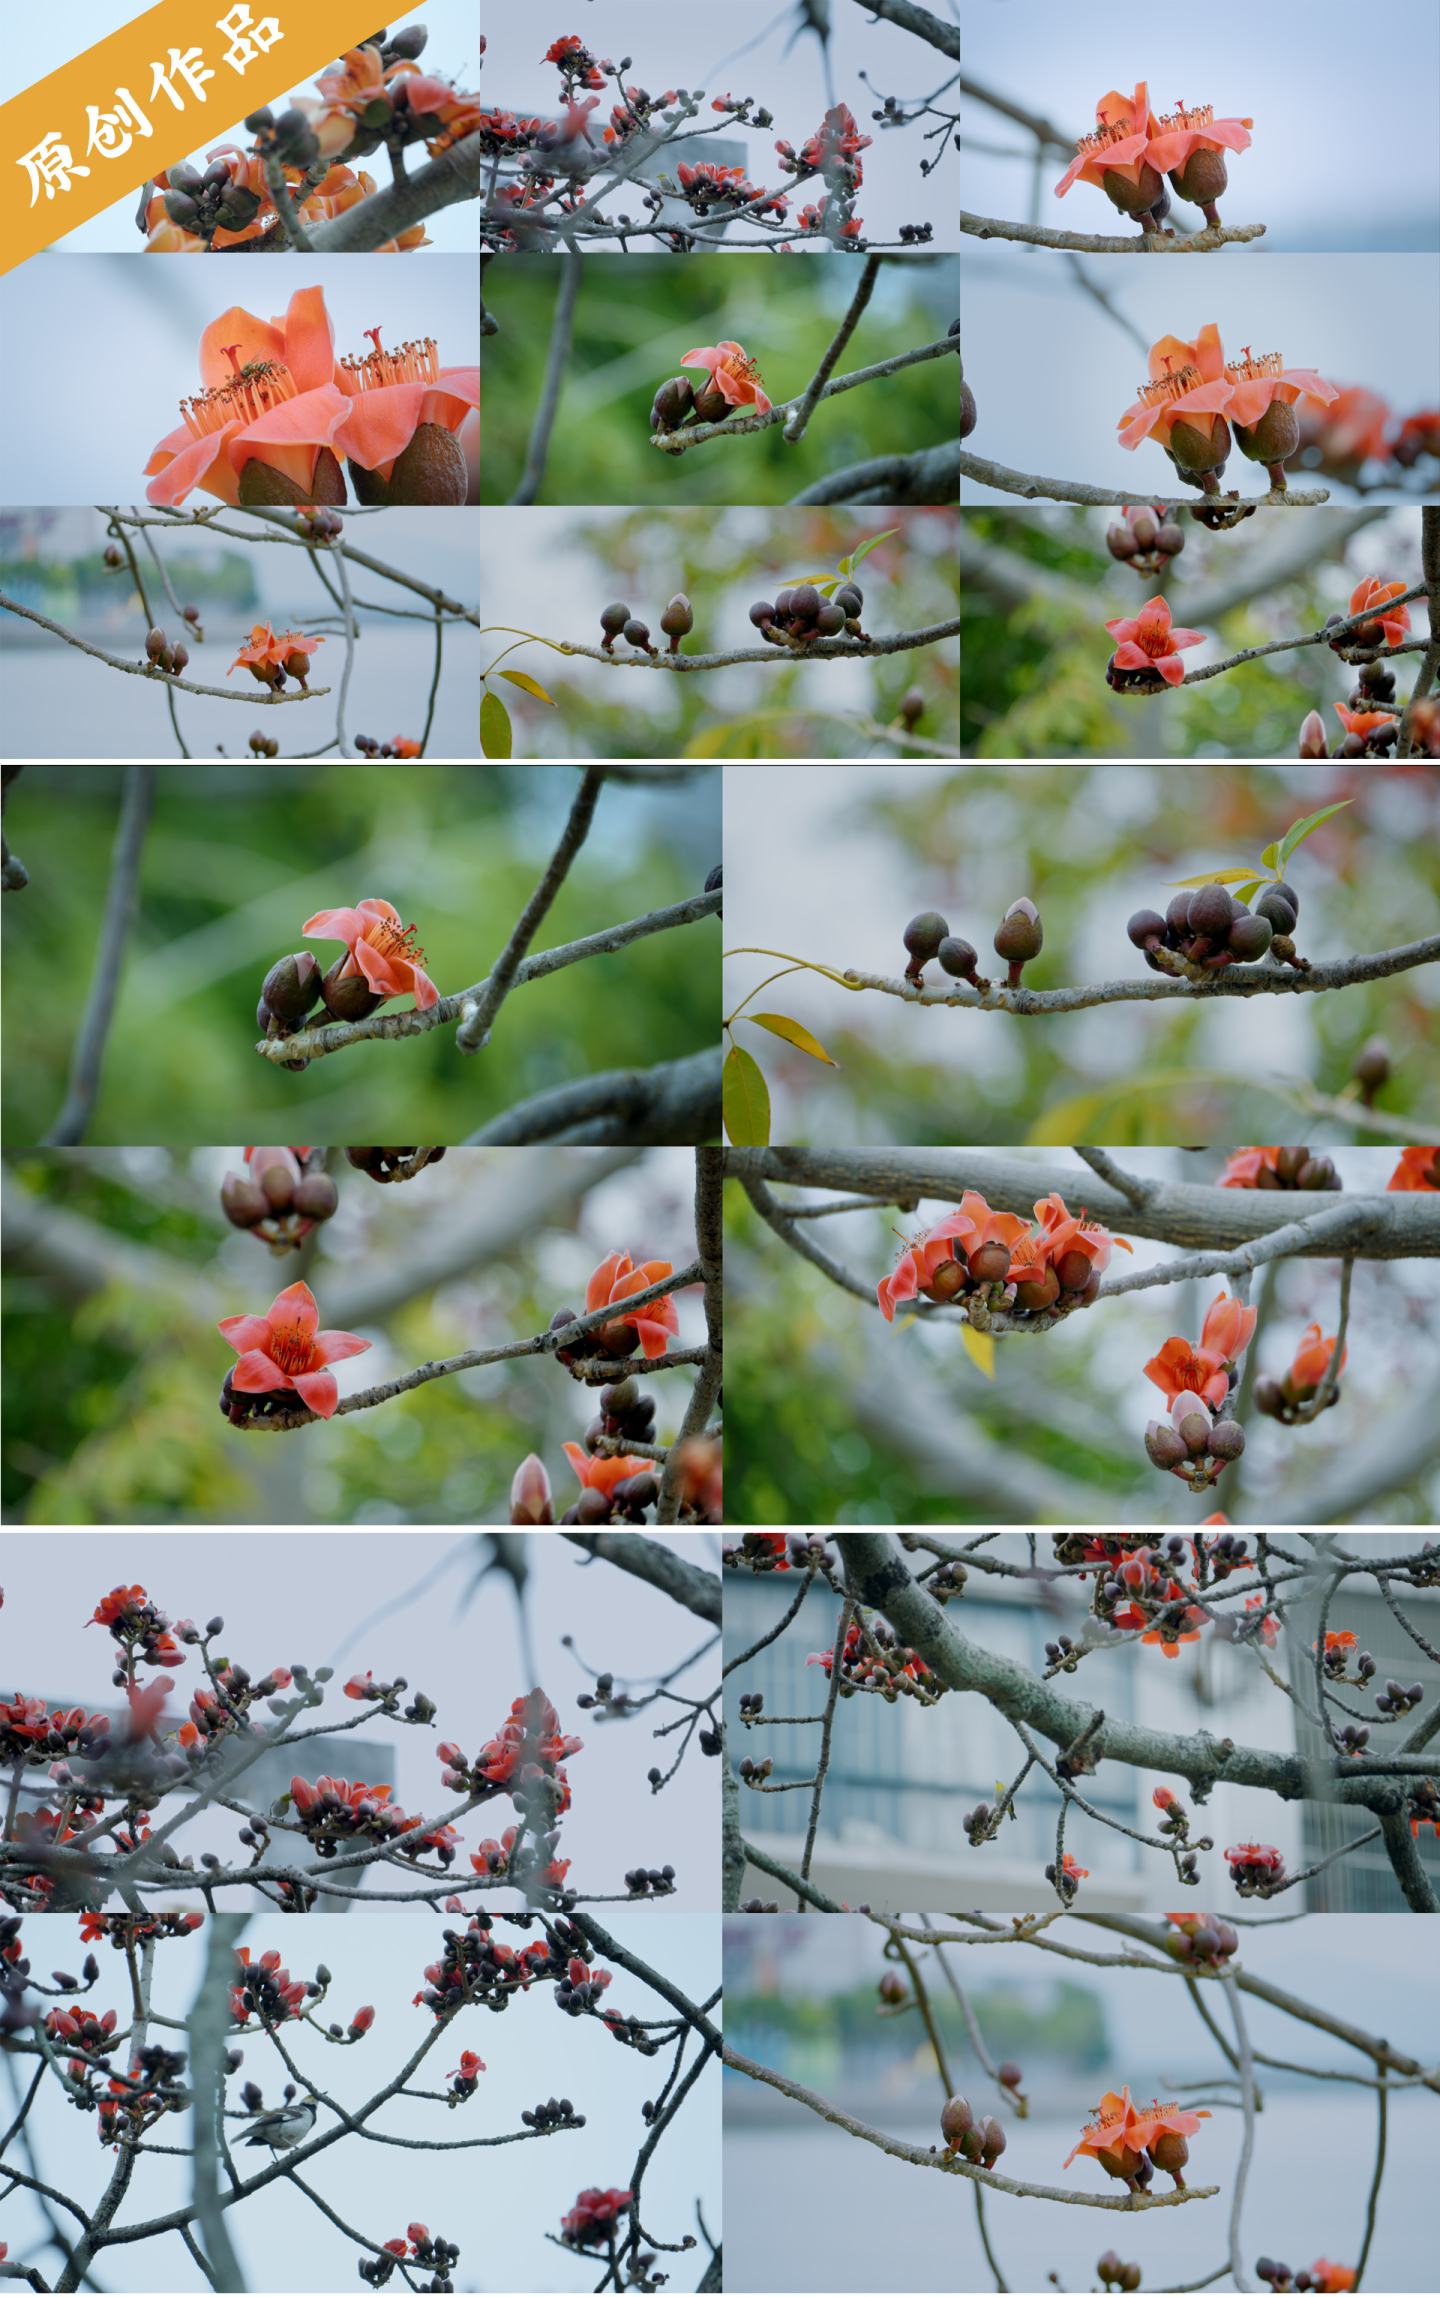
pixel 121 899
pixel 709 1177
pixel 1430 667
pixel 659 1566
pixel 676 1103
pixel 1084 243
pixel 455 175
pixel 805 407
pixel 736 426
pixel 208 2021
pixel 561 329
pixel 911 18
pixel 1068 490
pixel 314 1043
pixel 930 475
pixel 478 1015
pixel 817 650
pixel 167 678
pixel 1265 979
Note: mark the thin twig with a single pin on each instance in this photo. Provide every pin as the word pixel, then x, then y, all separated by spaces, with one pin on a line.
pixel 1069 490
pixel 340 568
pixel 676 1103
pixel 847 1609
pixel 1129 1184
pixel 561 329
pixel 817 650
pixel 151 670
pixel 1430 667
pixel 1381 2102
pixel 1085 243
pixel 795 428
pixel 1326 1389
pixel 1098 295
pixel 1247 2094
pixel 121 896
pixel 435 681
pixel 477 1019
pixel 1234 981
pixel 736 426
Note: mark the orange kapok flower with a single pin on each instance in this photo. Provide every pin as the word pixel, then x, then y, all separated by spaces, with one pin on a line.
pixel 1362 721
pixel 1245 1164
pixel 735 375
pixel 1312 1359
pixel 1328 2277
pixel 1348 431
pixel 269 658
pixel 1373 592
pixel 616 1278
pixel 1190 148
pixel 952 1240
pixel 403 411
pixel 603 1475
pixel 1262 409
pixel 1419 1168
pixel 1223 1340
pixel 1147 641
pixel 283 1349
pixel 1183 405
pixel 1114 157
pixel 264 427
pixel 381 948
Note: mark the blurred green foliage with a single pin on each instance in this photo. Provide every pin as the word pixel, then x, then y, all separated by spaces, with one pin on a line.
pixel 1090 846
pixel 1070 2024
pixel 724 563
pixel 1034 675
pixel 636 317
pixel 238 857
pixel 111 1407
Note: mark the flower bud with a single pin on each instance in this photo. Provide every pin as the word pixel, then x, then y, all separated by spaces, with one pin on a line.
pixel 1120 540
pixel 179 655
pixel 1144 526
pixel 1038 1292
pixel 762 614
pixel 182 210
pixel 612 621
pixel 1073 1270
pixel 638 635
pixel 955 2119
pixel 990 1263
pixel 676 620
pixel 672 403
pixel 968 414
pixel 1372 1065
pixel 155 644
pixel 1018 937
pixel 350 998
pixel 1250 938
pixel 1146 929
pixel 295 140
pixel 1195 1432
pixel 242 1202
pixel 804 602
pixel 408 41
pixel 1011 2075
pixel 829 623
pixel 1165 1445
pixel 957 957
pixel 316 1197
pixel 1210 912
pixel 851 597
pixel 1170 538
pixel 992 2141
pixel 292 986
pixel 114 555
pixel 922 937
pixel 530 1500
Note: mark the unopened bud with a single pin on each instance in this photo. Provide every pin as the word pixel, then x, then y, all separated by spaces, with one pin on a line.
pixel 292 986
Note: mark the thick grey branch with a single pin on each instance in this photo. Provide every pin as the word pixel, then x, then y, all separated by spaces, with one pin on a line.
pixel 920 21
pixel 683 1581
pixel 1070 490
pixel 930 475
pixel 676 1102
pixel 455 175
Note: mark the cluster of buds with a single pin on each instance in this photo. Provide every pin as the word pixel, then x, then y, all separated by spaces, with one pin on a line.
pixel 1193 1444
pixel 751 1705
pixel 128 1930
pixel 29 1732
pixel 755 1774
pixel 803 613
pixel 1279 1168
pixel 335 1811
pixel 153 2087
pixel 1114 2274
pixel 874 1659
pixel 915 234
pixel 220 1711
pixel 762 1551
pixel 1397 1699
pixel 1291 1398
pixel 387 1164
pixel 1352 1739
pixel 1018 937
pixel 216 200
pixel 760 1906
pixel 650 1881
pixel 590 2222
pixel 386 1695
pixel 626 1411
pixel 553 2114
pixel 1062 1655
pixel 1205 931
pixel 946 1581
pixel 982 1824
pixel 263 745
pixel 1147 539
pixel 993 1261
pixel 1175 1820
pixel 981 2142
pixel 709 188
pixel 282 1194
pixel 266 1990
pixel 398 746
pixel 617 621
pixel 1067 1877
pixel 474 1967
pixel 141 1629
pixel 316 524
pixel 164 656
pixel 1256 1869
pixel 423 2249
pixel 1322 2276
pixel 577 67
pixel 1200 1938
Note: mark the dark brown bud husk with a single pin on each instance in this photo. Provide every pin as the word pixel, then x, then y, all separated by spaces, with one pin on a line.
pixel 350 998
pixel 612 621
pixel 292 987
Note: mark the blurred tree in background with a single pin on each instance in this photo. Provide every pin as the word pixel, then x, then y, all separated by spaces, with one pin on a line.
pixel 1089 846
pixel 119 1263
pixel 724 562
pixel 1040 585
pixel 238 857
pixel 638 315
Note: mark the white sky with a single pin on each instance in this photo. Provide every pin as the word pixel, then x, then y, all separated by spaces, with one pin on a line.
pixel 53 37
pixel 497 2205
pixel 1057 61
pixel 702 49
pixel 289 1594
pixel 1054 410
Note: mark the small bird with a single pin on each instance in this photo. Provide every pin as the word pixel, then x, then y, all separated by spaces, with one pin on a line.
pixel 288 2125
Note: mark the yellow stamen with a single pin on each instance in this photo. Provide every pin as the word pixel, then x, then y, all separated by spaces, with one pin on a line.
pixel 1203 116
pixel 252 392
pixel 412 363
pixel 1101 136
pixel 1248 370
pixel 1170 386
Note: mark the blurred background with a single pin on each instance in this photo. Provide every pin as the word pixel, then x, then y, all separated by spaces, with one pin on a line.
pixel 1039 586
pixel 120 1263
pixel 1304 176
pixel 554 570
pixel 832 871
pixel 802 1996
pixel 53 37
pixel 748 50
pixel 238 857
pixel 1053 369
pixel 67 442
pixel 842 1418
pixel 634 321
pixel 61 703
pixel 530 2053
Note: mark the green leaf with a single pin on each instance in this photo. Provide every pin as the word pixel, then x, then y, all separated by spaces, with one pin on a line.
pixel 745 1100
pixel 710 743
pixel 845 567
pixel 518 678
pixel 1247 892
pixel 494 726
pixel 1146 1096
pixel 1300 830
pixel 980 1348
pixel 1212 877
pixel 870 545
pixel 780 1025
pixel 1271 856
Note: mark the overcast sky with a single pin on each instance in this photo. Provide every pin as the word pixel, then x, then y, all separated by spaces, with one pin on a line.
pixel 54 36
pixel 1057 61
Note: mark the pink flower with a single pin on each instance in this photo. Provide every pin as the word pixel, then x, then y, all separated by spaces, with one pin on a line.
pixel 1147 641
pixel 736 376
pixel 284 1350
pixel 613 1282
pixel 380 947
pixel 1118 141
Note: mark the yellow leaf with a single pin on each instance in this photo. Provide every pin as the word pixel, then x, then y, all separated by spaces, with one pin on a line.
pixel 1214 877
pixel 780 1025
pixel 980 1348
pixel 520 678
pixel 745 1100
pixel 710 743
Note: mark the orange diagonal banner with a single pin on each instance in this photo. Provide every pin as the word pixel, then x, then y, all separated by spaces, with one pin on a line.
pixel 167 83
